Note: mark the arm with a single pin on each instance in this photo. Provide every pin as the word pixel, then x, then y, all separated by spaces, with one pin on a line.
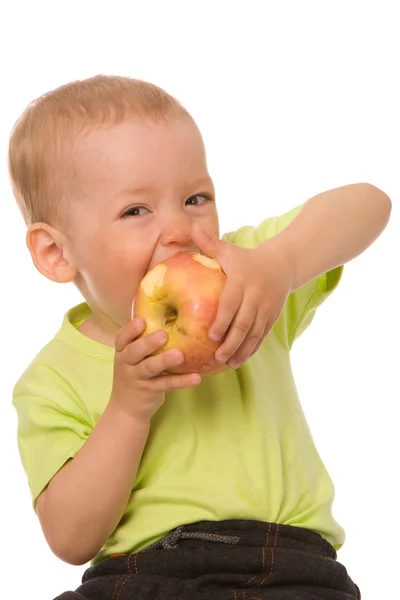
pixel 86 499
pixel 331 229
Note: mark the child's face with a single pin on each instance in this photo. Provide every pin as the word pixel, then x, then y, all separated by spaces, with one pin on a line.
pixel 141 187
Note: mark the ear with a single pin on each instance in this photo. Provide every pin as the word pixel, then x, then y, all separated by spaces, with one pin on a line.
pixel 50 254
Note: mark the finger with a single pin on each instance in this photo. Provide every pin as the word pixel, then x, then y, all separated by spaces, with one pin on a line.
pixel 261 341
pixel 229 303
pixel 139 349
pixel 209 244
pixel 267 331
pixel 128 333
pixel 167 383
pixel 155 365
pixel 238 331
pixel 253 339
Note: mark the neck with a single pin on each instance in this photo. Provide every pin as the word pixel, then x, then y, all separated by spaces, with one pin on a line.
pixel 100 330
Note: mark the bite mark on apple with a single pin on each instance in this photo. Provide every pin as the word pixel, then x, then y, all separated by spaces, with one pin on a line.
pixel 207 262
pixel 153 279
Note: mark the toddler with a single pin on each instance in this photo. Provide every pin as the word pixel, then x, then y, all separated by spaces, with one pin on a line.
pixel 173 486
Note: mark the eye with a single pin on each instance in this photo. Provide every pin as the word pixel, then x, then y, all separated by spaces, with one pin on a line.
pixel 194 200
pixel 134 211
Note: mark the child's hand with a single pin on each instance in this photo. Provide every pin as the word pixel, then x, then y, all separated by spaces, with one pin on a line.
pixel 139 384
pixel 258 284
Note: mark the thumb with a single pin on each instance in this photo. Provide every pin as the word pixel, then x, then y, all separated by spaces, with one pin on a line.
pixel 209 244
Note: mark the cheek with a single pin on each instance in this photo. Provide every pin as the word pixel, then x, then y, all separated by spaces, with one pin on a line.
pixel 211 223
pixel 118 267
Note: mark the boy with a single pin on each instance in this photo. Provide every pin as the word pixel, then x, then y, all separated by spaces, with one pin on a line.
pixel 173 486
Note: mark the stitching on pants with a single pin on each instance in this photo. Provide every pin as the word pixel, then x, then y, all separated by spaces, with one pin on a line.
pixel 262 562
pixel 276 535
pixel 119 581
pixel 262 556
pixel 268 532
pixel 129 563
pixel 271 569
pixel 272 557
pixel 262 567
pixel 123 585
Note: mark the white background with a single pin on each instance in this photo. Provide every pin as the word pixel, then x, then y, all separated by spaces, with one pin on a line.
pixel 293 98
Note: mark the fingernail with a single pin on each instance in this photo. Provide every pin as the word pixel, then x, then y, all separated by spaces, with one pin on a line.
pixel 222 358
pixel 214 336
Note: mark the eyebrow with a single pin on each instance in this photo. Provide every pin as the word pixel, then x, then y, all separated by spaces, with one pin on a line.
pixel 142 191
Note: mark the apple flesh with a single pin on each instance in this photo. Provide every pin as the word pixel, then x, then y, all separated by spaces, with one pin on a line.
pixel 181 295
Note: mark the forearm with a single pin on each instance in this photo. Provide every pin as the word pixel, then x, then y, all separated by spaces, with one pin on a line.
pixel 85 501
pixel 331 229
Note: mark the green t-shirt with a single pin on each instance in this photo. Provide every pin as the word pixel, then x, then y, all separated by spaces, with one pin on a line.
pixel 236 447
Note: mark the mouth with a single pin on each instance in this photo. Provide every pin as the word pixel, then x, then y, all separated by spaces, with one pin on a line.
pixel 155 263
pixel 191 251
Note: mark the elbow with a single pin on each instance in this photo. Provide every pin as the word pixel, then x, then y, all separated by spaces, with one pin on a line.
pixel 65 540
pixel 76 561
pixel 72 554
pixel 70 546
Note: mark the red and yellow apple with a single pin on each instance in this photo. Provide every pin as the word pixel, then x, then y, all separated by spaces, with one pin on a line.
pixel 181 295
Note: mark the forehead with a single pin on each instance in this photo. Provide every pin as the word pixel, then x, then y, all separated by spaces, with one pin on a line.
pixel 141 150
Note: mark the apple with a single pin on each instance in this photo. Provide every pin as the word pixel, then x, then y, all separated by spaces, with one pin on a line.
pixel 181 295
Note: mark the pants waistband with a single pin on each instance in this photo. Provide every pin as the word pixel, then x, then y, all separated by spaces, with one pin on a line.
pixel 246 533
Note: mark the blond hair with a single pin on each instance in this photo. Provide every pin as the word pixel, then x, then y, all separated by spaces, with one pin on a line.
pixel 39 138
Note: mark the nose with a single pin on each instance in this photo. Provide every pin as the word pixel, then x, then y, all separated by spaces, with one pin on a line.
pixel 177 231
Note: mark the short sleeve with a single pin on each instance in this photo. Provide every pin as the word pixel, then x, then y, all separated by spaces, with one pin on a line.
pixel 301 305
pixel 52 424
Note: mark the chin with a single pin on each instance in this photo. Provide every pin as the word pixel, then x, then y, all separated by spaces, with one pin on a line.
pixel 181 295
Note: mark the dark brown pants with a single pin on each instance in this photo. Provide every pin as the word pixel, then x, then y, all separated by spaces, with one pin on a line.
pixel 227 560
